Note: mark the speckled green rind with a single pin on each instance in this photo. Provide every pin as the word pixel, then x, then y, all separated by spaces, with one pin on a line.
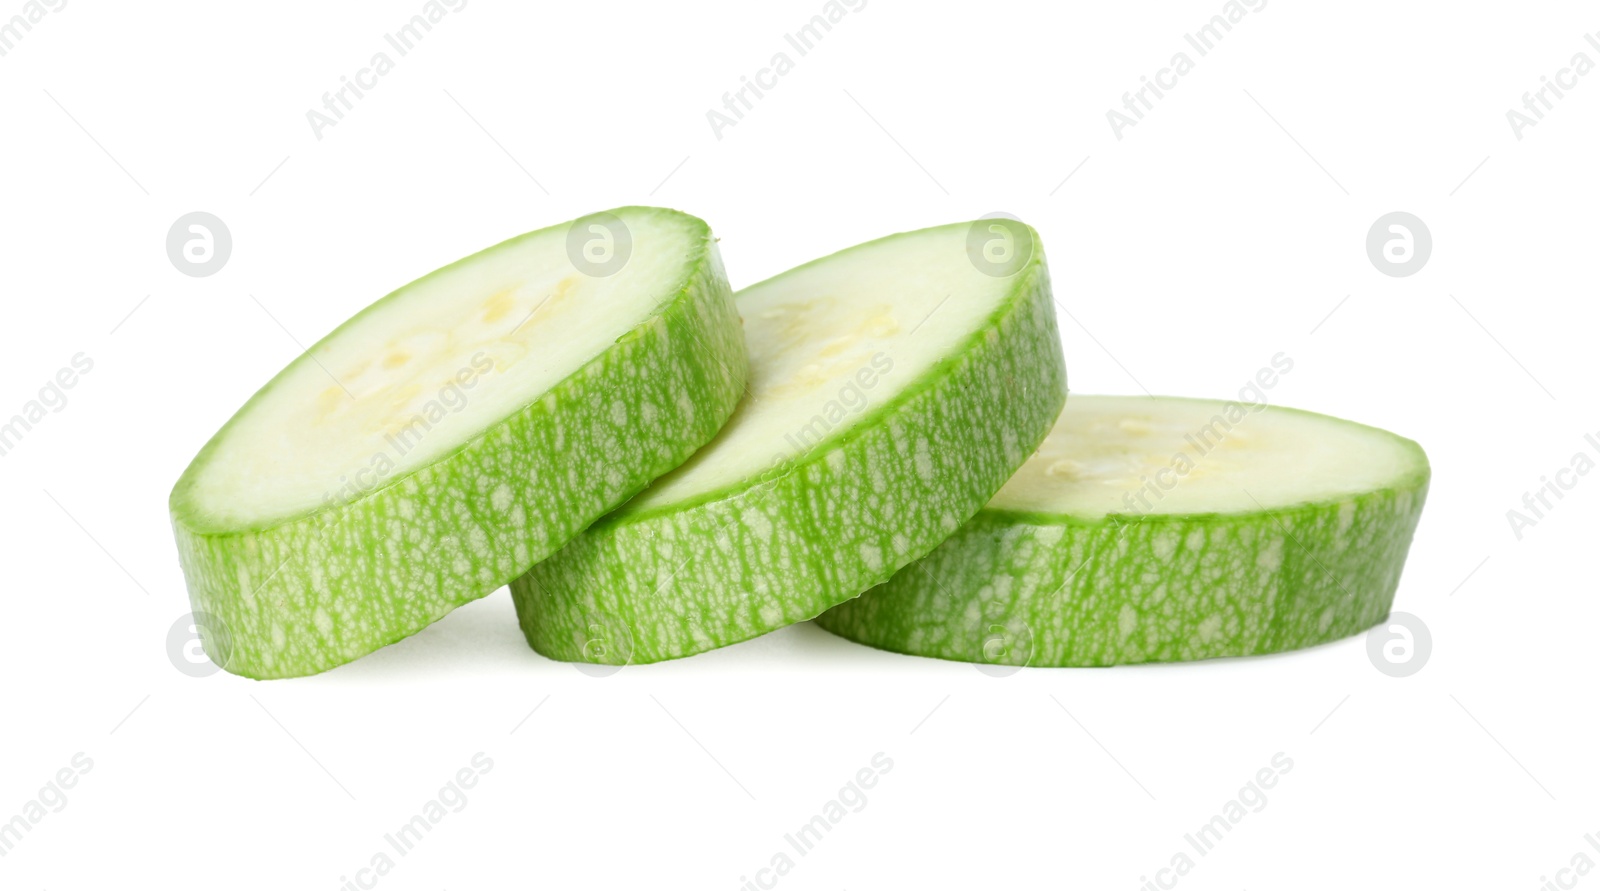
pixel 643 587
pixel 1031 589
pixel 324 589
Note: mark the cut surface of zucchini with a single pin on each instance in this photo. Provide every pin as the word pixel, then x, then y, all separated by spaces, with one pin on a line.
pixel 1163 529
pixel 894 387
pixel 454 432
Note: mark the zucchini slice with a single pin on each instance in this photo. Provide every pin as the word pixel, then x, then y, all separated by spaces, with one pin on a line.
pixel 454 433
pixel 1161 530
pixel 894 387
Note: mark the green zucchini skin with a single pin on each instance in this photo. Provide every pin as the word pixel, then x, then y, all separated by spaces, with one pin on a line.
pixel 666 583
pixel 1033 589
pixel 328 587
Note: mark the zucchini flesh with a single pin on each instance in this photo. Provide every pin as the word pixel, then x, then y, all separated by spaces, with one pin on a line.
pixel 1158 530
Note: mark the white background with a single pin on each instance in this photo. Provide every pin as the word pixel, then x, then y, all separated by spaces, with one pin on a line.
pixel 1218 231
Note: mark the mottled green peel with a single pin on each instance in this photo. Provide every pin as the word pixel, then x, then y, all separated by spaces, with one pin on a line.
pixel 894 387
pixel 452 434
pixel 1145 531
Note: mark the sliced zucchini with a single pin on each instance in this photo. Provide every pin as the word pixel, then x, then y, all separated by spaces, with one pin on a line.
pixel 894 387
pixel 1158 530
pixel 453 433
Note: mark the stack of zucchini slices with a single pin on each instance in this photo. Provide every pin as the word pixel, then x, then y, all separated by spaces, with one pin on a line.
pixel 659 467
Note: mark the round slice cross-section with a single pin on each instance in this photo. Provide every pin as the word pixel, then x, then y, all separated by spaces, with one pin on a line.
pixel 894 387
pixel 1160 530
pixel 453 433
